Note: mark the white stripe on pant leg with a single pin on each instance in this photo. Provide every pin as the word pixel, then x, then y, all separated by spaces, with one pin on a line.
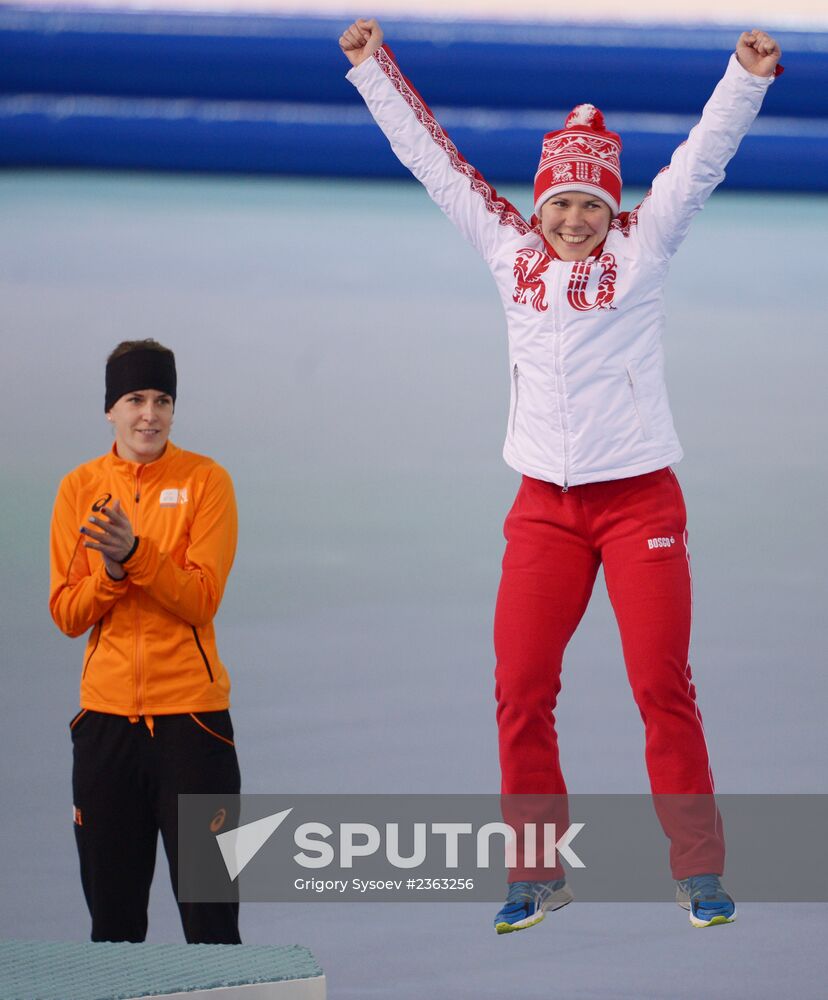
pixel 687 671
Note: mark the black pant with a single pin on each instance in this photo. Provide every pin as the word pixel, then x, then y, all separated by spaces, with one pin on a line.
pixel 125 783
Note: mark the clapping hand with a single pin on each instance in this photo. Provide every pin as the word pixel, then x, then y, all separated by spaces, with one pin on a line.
pixel 114 539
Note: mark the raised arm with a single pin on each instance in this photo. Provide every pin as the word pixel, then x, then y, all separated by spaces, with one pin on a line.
pixel 421 144
pixel 697 167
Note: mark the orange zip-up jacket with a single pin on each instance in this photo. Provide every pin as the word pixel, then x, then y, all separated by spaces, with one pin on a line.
pixel 152 648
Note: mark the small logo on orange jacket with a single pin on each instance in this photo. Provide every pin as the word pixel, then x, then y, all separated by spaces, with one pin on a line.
pixel 101 502
pixel 173 497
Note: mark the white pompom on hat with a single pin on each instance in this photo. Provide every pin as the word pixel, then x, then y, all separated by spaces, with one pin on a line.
pixel 582 156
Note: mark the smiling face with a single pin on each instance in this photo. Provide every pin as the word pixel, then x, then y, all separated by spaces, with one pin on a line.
pixel 142 421
pixel 575 223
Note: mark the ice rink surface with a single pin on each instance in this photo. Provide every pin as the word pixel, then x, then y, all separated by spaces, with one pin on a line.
pixel 342 352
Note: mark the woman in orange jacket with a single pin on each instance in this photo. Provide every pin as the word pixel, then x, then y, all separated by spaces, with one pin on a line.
pixel 142 542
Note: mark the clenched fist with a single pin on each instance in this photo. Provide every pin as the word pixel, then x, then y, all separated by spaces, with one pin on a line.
pixel 758 52
pixel 361 40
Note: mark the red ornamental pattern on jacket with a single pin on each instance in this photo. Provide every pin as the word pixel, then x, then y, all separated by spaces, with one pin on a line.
pixel 530 266
pixel 576 292
pixel 506 213
pixel 530 288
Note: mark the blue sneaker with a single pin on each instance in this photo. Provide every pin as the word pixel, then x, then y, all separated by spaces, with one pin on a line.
pixel 528 903
pixel 706 900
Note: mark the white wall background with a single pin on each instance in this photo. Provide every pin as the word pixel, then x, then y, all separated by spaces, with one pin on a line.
pixel 751 13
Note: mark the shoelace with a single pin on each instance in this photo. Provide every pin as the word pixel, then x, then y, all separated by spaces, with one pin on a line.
pixel 519 892
pixel 704 886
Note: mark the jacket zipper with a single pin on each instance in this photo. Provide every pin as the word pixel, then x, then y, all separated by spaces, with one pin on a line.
pixel 641 422
pixel 139 674
pixel 515 380
pixel 559 383
pixel 99 627
pixel 203 654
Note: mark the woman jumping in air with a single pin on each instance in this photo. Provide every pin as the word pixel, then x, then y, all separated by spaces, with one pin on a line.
pixel 590 430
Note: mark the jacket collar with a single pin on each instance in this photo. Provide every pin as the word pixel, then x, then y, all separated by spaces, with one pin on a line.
pixel 149 469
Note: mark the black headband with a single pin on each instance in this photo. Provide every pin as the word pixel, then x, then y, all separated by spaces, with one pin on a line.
pixel 139 369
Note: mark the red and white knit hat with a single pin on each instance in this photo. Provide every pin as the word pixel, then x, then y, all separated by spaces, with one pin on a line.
pixel 582 156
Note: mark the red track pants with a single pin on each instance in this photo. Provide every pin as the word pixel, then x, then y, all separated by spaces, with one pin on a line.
pixel 556 541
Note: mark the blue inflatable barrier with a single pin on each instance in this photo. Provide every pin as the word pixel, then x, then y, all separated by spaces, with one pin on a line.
pixel 330 141
pixel 268 94
pixel 461 64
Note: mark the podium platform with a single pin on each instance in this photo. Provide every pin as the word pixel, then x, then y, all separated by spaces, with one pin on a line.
pixel 46 970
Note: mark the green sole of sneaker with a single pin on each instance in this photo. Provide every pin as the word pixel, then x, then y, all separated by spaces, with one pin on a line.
pixel 563 900
pixel 505 928
pixel 712 923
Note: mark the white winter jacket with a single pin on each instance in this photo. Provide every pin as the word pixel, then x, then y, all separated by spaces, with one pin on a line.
pixel 588 398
